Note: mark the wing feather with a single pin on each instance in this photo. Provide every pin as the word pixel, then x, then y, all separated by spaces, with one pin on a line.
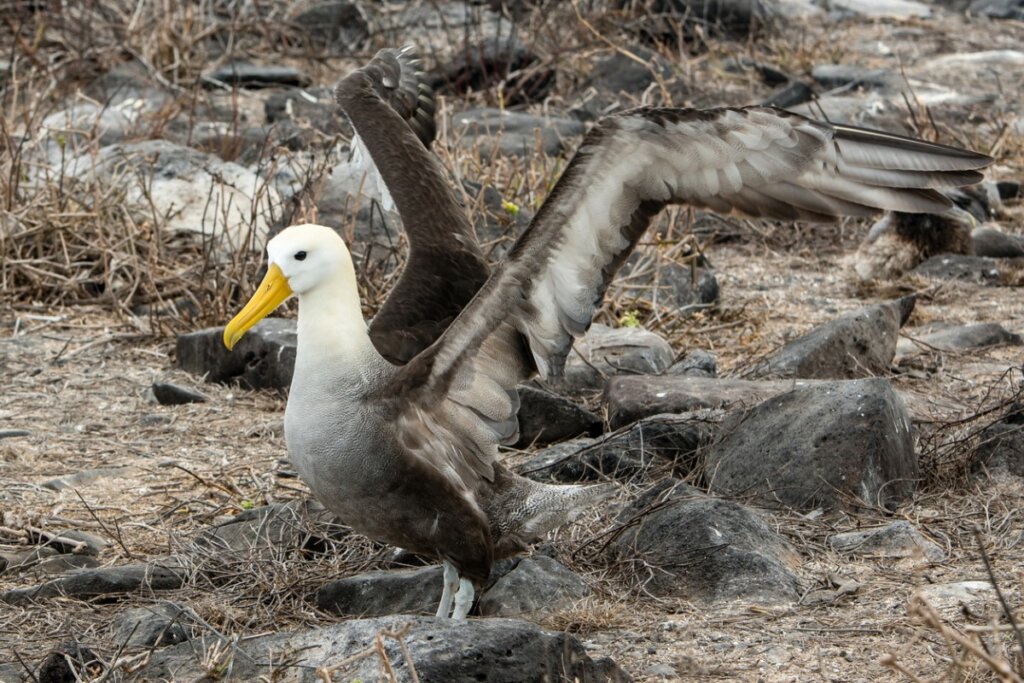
pixel 758 161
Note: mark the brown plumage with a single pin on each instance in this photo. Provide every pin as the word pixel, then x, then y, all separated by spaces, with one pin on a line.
pixel 397 428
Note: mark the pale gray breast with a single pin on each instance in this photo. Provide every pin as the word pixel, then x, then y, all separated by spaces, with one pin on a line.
pixel 338 442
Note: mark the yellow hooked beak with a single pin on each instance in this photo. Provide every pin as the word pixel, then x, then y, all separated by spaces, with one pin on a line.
pixel 272 291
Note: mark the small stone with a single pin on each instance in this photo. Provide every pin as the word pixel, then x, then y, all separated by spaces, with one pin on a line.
pixel 12 433
pixel 246 75
pixel 606 351
pixel 696 363
pixel 168 394
pixel 861 343
pixel 705 549
pixel 884 9
pixel 661 671
pixel 380 593
pixel 101 582
pixel 86 477
pixel 621 73
pixel 898 539
pixel 513 133
pixel 958 338
pixel 263 359
pixel 67 663
pixel 334 23
pixel 156 625
pixel 848 76
pixel 76 542
pixel 62 564
pixel 537 586
pixel 790 95
pixel 1001 444
pixel 950 599
pixel 546 418
pixel 818 446
pixel 273 530
pixel 993 243
pixel 977 269
pixel 652 444
pixel 998 9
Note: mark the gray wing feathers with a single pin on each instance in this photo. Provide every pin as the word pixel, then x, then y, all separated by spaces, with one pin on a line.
pixel 757 161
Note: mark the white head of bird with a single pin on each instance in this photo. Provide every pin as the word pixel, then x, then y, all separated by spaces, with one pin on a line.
pixel 313 263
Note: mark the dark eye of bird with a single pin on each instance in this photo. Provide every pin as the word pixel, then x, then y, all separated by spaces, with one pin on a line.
pixel 300 256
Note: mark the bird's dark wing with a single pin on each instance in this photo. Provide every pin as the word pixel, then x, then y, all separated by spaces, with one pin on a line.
pixel 392 110
pixel 756 161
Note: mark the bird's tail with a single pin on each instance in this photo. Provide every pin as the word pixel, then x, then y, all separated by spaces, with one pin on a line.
pixel 549 506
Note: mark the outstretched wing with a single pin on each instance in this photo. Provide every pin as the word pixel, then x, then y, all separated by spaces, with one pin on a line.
pixel 757 161
pixel 392 111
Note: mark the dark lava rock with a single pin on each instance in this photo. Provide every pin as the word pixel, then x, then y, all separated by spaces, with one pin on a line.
pixel 62 564
pixel 106 582
pixel 704 549
pixel 335 23
pixel 1001 445
pixel 263 359
pixel 669 20
pixel 86 477
pixel 849 76
pixel 537 586
pixel 790 95
pixel 651 444
pixel 977 269
pixel 246 75
pixel 960 338
pixel 818 446
pixel 156 625
pixel 69 662
pixel 274 530
pixel 380 593
pixel 605 351
pixel 986 241
pixel 14 433
pixel 546 418
pixel 492 650
pixel 697 363
pixel 861 343
pixel 168 394
pixel 998 9
pixel 512 132
pixel 899 539
pixel 314 107
pixel 498 60
pixel 687 288
pixel 620 73
pixel 631 398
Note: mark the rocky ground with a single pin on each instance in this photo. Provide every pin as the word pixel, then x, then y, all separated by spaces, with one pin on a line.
pixel 820 458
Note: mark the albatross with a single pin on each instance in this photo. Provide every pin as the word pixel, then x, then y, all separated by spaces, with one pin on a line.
pixel 396 426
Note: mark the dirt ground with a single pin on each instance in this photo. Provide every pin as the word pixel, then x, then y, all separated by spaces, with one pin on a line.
pixel 78 379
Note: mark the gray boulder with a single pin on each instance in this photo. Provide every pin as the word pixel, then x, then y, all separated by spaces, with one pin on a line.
pixel 537 586
pixel 899 539
pixel 704 549
pixel 993 243
pixel 492 650
pixel 106 582
pixel 157 625
pixel 271 531
pixel 653 444
pixel 861 343
pixel 263 359
pixel 380 593
pixel 546 418
pixel 977 269
pixel 818 446
pixel 513 133
pixel 697 363
pixel 605 351
pixel 958 338
pixel 1001 444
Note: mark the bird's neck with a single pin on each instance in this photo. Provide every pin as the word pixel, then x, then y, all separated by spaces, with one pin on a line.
pixel 331 326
